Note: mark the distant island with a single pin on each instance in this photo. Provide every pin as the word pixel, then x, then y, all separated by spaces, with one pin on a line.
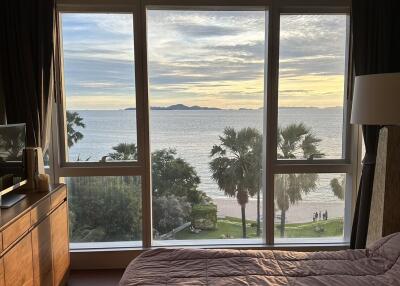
pixel 178 107
pixel 196 107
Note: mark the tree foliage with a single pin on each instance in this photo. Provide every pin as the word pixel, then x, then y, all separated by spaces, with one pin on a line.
pixel 74 121
pixel 338 187
pixel 204 217
pixel 172 175
pixel 170 212
pixel 124 152
pixel 105 209
pixel 296 141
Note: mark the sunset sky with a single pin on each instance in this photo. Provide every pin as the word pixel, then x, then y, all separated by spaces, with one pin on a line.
pixel 204 58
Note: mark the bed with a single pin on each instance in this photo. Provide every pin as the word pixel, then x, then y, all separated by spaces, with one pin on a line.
pixel 377 265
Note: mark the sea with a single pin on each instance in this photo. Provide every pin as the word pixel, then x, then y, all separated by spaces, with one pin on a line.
pixel 192 133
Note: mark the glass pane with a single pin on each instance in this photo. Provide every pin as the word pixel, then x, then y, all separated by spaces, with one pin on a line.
pixel 104 211
pixel 309 206
pixel 311 86
pixel 206 73
pixel 99 87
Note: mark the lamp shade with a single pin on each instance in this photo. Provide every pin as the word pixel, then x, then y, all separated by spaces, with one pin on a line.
pixel 376 99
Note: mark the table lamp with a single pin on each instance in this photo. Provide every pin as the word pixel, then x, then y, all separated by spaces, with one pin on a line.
pixel 376 101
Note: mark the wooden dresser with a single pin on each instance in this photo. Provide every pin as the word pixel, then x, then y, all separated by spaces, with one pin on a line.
pixel 34 244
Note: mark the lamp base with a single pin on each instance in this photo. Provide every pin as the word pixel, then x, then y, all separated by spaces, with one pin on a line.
pixel 384 216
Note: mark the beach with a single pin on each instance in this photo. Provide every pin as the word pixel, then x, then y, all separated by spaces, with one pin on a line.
pixel 298 213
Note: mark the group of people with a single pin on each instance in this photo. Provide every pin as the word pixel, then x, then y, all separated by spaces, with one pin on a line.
pixel 320 216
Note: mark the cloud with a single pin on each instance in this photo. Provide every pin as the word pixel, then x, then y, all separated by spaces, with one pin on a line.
pixel 311 90
pixel 100 102
pixel 219 54
pixel 195 30
pixel 95 23
pixel 198 57
pixel 312 44
pixel 98 76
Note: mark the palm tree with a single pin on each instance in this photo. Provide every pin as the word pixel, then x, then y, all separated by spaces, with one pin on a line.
pixel 289 189
pixel 233 166
pixel 74 121
pixel 295 141
pixel 124 152
pixel 337 186
pixel 256 171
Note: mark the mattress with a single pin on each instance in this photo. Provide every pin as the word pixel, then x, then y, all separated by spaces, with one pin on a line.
pixel 377 265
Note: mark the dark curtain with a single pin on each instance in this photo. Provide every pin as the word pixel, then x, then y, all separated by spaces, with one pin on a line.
pixel 27 33
pixel 376 49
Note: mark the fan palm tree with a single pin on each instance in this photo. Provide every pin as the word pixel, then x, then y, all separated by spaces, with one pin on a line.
pixel 233 166
pixel 289 189
pixel 295 141
pixel 338 187
pixel 124 152
pixel 73 122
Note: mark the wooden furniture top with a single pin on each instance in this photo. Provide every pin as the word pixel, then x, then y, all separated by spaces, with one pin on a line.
pixel 24 206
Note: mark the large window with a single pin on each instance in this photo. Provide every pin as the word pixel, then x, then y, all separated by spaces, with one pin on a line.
pixel 205 125
pixel 98 143
pixel 206 92
pixel 311 96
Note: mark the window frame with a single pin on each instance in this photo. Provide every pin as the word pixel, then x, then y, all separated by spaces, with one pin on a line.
pixel 350 133
pixel 134 168
pixel 142 167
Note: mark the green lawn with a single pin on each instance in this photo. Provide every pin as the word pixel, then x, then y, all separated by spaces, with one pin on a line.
pixel 324 228
pixel 232 228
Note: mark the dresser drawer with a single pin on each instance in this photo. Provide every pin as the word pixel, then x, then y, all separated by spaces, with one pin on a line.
pixel 18 264
pixel 58 197
pixel 2 282
pixel 16 229
pixel 40 211
pixel 1 243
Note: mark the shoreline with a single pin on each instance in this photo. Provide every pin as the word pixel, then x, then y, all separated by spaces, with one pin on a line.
pixel 299 213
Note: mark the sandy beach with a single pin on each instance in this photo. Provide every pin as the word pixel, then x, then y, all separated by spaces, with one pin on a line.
pixel 299 213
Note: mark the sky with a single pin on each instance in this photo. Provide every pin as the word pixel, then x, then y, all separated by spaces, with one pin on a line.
pixel 205 58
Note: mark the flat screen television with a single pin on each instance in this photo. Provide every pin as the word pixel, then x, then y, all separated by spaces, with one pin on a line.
pixel 12 157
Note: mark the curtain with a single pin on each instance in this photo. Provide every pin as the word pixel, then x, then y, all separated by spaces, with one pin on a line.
pixel 2 107
pixel 27 65
pixel 376 49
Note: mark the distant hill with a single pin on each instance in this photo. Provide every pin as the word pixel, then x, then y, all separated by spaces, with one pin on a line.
pixel 196 107
pixel 179 107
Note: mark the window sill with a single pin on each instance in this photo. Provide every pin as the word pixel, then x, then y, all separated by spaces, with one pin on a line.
pixel 117 255
pixel 285 243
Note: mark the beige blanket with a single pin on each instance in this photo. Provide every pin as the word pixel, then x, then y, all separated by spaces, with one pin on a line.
pixel 378 265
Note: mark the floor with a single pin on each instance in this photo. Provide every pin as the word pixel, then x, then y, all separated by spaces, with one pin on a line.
pixel 95 277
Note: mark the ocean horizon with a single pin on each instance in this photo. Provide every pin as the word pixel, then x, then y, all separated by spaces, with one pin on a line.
pixel 192 133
